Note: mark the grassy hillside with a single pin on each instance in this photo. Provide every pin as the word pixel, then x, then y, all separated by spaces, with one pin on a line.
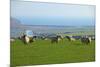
pixel 43 52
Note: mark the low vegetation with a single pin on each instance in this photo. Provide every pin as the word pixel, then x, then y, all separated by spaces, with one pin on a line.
pixel 44 52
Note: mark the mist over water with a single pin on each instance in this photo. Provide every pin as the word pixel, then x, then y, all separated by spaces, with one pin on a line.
pixel 59 21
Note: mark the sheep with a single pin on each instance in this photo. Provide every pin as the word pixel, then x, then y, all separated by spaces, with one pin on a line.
pixel 86 40
pixel 70 38
pixel 12 40
pixel 55 39
pixel 26 39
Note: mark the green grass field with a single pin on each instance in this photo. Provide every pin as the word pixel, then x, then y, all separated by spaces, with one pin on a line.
pixel 43 52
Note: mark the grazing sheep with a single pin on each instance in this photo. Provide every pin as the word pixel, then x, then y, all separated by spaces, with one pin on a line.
pixel 34 38
pixel 12 40
pixel 43 37
pixel 23 38
pixel 92 37
pixel 86 40
pixel 70 38
pixel 31 39
pixel 26 39
pixel 59 37
pixel 54 40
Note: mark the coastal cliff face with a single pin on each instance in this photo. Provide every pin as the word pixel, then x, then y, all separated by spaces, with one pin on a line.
pixel 14 22
pixel 15 27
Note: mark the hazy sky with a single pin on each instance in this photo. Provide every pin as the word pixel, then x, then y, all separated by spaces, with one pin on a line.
pixel 36 13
